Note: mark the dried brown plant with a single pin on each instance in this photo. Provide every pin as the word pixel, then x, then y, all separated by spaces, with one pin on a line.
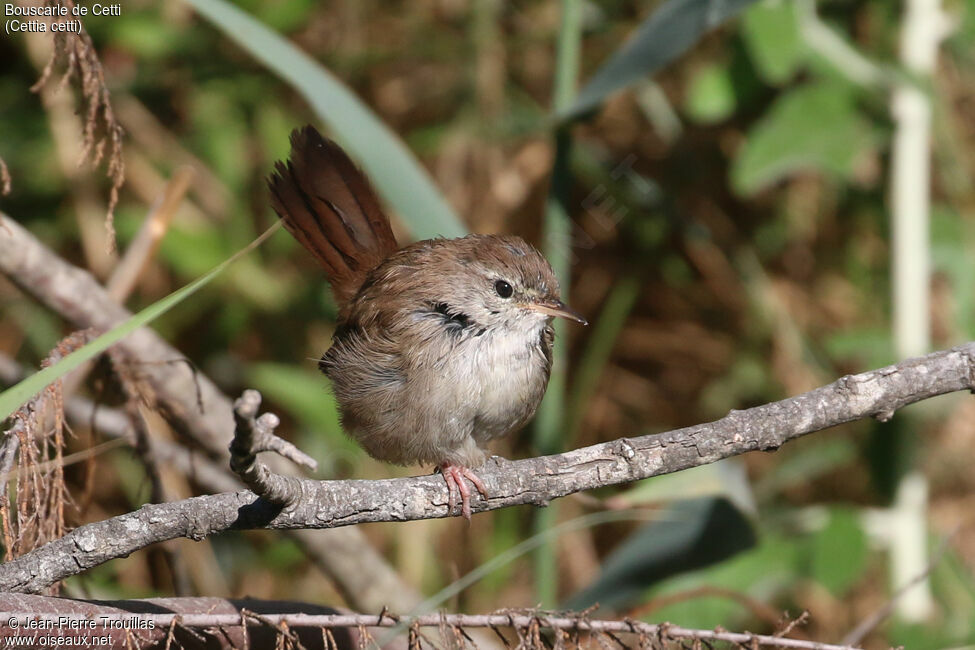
pixel 35 443
pixel 102 133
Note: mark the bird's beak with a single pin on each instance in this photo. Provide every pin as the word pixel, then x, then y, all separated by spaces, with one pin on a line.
pixel 556 308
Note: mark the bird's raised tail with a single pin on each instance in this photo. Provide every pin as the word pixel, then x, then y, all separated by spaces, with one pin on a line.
pixel 330 208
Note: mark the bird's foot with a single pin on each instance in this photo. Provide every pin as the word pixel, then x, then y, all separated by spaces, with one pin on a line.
pixel 454 475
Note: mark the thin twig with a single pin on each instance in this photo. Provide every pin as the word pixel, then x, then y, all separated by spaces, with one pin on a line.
pixel 521 622
pixel 856 635
pixel 142 248
pixel 757 608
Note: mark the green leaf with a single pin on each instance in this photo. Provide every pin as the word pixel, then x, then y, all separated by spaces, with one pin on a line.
pixel 815 127
pixel 869 347
pixel 771 32
pixel 393 169
pixel 711 96
pixel 688 535
pixel 809 463
pixel 669 32
pixel 303 392
pixel 951 244
pixel 726 479
pixel 146 37
pixel 839 552
pixel 12 398
pixel 763 573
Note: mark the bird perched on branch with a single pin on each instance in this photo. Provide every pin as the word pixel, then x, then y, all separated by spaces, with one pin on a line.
pixel 440 346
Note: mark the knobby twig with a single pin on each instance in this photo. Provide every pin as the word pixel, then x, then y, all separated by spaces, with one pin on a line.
pixel 192 405
pixel 327 504
pixel 254 435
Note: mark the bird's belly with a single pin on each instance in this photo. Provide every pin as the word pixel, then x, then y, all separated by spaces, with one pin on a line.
pixel 433 406
pixel 509 377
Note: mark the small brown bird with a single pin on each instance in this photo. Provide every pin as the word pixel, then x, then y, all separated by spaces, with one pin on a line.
pixel 441 346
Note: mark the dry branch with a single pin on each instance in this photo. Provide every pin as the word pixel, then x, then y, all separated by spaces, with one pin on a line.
pixel 260 616
pixel 146 242
pixel 327 504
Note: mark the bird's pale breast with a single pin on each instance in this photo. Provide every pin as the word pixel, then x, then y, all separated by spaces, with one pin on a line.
pixel 510 371
pixel 441 397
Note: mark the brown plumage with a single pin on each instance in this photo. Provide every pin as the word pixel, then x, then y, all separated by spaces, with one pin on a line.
pixel 442 345
pixel 329 207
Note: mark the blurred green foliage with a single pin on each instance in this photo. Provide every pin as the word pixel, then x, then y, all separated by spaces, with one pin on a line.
pixel 813 127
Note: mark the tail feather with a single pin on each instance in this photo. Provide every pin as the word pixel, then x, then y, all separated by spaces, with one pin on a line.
pixel 329 207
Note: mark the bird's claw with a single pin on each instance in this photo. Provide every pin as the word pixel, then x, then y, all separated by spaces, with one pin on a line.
pixel 454 476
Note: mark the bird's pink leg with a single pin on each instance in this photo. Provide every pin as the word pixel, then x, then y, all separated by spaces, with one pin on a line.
pixel 454 476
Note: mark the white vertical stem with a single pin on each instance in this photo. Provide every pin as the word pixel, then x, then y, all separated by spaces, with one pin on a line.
pixel 923 29
pixel 911 179
pixel 909 547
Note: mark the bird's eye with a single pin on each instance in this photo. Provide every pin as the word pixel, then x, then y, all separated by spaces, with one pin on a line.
pixel 503 288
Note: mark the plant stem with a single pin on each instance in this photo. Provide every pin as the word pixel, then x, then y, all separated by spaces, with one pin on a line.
pixel 557 232
pixel 923 29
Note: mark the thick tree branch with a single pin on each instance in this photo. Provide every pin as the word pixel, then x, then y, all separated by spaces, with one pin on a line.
pixel 328 504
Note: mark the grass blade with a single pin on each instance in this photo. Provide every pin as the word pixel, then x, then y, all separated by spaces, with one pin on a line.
pixel 601 341
pixel 550 420
pixel 12 398
pixel 393 169
pixel 666 34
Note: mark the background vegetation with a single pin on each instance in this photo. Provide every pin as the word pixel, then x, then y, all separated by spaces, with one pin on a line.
pixel 723 222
